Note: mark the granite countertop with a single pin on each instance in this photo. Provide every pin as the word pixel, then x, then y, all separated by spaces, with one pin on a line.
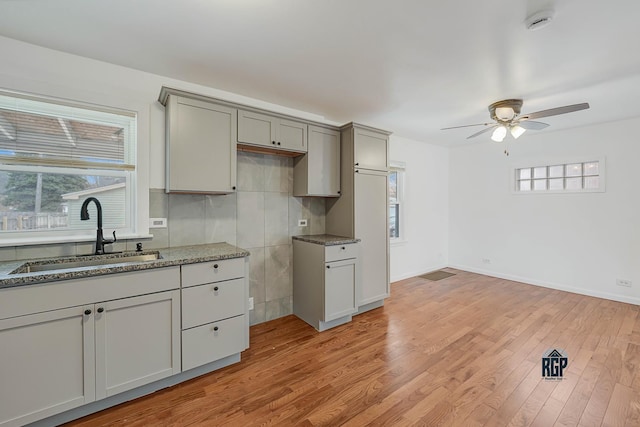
pixel 168 257
pixel 326 239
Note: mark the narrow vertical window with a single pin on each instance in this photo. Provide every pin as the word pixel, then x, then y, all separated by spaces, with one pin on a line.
pixel 396 193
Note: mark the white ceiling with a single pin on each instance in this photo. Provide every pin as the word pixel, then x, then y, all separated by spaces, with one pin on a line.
pixel 409 66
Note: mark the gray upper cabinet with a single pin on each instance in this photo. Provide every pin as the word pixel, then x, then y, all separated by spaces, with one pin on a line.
pixel 201 146
pixel 268 131
pixel 370 150
pixel 318 172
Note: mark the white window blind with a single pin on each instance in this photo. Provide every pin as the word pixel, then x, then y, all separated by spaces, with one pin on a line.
pixel 53 134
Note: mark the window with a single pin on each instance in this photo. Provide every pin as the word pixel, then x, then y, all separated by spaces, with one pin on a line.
pixel 585 176
pixel 396 190
pixel 53 155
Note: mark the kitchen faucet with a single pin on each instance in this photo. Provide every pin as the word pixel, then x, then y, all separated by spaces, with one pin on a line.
pixel 84 215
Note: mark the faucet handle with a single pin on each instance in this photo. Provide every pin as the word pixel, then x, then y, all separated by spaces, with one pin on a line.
pixel 114 237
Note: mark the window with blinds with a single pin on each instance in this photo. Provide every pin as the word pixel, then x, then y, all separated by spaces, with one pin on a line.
pixel 53 155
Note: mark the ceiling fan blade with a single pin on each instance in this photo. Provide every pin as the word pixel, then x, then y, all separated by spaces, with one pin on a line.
pixel 531 125
pixel 482 131
pixel 555 111
pixel 467 126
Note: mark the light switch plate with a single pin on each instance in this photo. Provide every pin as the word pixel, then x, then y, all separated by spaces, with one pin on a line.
pixel 302 223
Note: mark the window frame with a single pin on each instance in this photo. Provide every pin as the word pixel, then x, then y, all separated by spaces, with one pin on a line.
pixel 401 170
pixel 136 178
pixel 547 163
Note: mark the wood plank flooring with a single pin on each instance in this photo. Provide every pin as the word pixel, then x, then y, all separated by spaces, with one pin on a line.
pixel 462 351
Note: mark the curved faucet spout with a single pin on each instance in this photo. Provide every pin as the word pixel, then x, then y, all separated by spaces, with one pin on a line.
pixel 84 210
pixel 84 215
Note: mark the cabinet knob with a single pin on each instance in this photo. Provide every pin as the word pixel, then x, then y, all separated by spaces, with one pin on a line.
pixel 215 266
pixel 215 289
pixel 357 171
pixel 357 164
pixel 215 328
pixel 100 309
pixel 87 312
pixel 233 188
pixel 278 142
pixel 273 142
pixel 344 248
pixel 339 192
pixel 328 266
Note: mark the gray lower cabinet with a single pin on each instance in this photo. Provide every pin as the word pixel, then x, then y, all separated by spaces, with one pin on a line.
pixel 325 283
pixel 317 173
pixel 269 131
pixel 215 320
pixel 57 358
pixel 200 146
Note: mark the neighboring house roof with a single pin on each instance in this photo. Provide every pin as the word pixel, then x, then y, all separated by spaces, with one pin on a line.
pixel 90 192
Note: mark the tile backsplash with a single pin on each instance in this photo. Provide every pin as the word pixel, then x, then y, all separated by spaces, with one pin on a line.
pixel 260 217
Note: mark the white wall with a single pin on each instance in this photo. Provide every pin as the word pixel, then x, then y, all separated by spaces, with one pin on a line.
pixel 426 207
pixel 576 242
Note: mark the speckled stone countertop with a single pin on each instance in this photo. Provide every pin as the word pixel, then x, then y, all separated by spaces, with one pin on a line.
pixel 168 257
pixel 326 239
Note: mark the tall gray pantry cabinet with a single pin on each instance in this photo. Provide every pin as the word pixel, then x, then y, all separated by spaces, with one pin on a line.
pixel 362 210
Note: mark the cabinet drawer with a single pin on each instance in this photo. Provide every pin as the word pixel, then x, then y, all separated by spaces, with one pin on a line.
pixel 338 252
pixel 210 272
pixel 212 302
pixel 212 341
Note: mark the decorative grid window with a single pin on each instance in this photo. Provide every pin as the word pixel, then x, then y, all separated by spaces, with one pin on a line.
pixel 53 155
pixel 567 177
pixel 396 192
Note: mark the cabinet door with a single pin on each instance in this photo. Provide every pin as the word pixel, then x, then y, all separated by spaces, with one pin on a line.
pixel 371 226
pixel 255 128
pixel 201 147
pixel 47 364
pixel 339 289
pixel 324 162
pixel 370 150
pixel 291 135
pixel 137 341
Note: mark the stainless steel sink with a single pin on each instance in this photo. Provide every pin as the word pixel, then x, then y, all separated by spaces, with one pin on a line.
pixel 37 266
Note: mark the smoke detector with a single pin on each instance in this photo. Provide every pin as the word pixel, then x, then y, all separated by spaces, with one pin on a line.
pixel 539 19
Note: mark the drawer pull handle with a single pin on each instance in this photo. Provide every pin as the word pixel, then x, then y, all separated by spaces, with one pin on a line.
pixel 215 329
pixel 215 289
pixel 215 266
pixel 87 312
pixel 100 309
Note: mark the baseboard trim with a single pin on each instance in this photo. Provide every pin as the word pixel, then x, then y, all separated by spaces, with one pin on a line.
pixel 550 285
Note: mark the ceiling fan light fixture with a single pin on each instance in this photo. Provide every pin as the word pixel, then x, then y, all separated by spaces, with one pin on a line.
pixel 505 113
pixel 517 131
pixel 499 133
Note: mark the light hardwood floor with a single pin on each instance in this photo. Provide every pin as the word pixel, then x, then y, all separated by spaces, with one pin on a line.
pixel 462 351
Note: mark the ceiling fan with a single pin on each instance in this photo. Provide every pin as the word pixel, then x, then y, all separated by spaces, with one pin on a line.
pixel 507 117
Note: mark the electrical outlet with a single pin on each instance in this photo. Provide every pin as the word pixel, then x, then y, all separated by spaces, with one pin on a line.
pixel 157 222
pixel 623 282
pixel 302 223
pixel 251 303
pixel 486 261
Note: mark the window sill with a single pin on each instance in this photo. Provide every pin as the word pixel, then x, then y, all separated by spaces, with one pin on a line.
pixel 29 241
